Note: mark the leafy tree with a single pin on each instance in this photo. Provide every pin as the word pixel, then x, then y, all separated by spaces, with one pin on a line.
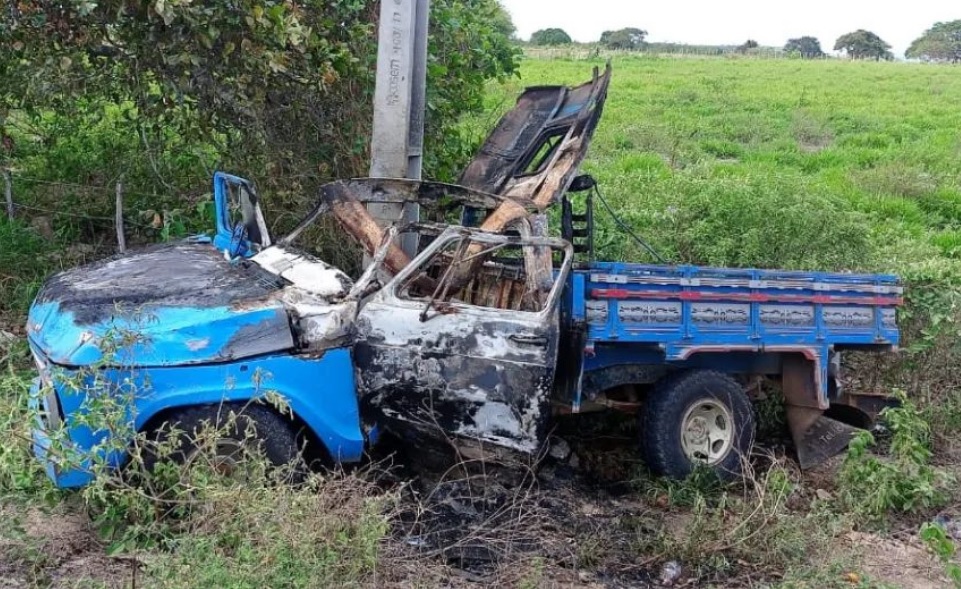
pixel 863 44
pixel 942 42
pixel 747 46
pixel 550 37
pixel 282 88
pixel 629 38
pixel 807 47
pixel 501 20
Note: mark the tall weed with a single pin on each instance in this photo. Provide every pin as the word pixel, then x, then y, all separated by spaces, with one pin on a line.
pixel 875 486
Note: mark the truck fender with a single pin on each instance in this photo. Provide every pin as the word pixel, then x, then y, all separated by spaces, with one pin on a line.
pixel 320 393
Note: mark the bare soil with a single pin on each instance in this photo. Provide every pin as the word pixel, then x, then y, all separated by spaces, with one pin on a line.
pixel 57 549
pixel 901 562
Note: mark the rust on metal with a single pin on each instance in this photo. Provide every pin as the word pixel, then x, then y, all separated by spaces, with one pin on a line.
pixel 525 166
pixel 816 437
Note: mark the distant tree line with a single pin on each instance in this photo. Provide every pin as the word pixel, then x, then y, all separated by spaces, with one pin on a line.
pixel 628 38
pixel 942 42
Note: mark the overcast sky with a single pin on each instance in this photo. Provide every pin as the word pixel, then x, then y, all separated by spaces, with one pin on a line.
pixel 731 22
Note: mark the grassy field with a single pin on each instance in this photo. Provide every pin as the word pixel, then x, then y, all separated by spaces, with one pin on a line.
pixel 773 163
pixel 776 163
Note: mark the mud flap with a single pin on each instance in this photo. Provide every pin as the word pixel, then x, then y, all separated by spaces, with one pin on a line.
pixel 816 437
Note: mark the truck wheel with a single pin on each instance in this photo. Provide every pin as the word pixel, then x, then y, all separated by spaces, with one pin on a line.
pixel 257 431
pixel 698 417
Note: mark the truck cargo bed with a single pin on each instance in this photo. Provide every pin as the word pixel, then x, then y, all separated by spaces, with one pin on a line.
pixel 686 308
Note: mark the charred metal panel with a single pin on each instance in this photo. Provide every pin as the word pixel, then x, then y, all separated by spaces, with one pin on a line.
pixel 319 325
pixel 466 373
pixel 513 137
pixel 602 379
pixel 493 401
pixel 542 114
pixel 161 336
pixel 182 274
pixel 544 171
pixel 305 272
pixel 180 303
pixel 458 368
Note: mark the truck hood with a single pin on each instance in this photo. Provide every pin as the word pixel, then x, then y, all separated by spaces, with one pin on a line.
pixel 173 304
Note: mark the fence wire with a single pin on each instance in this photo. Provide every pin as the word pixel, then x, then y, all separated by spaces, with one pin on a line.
pixel 106 190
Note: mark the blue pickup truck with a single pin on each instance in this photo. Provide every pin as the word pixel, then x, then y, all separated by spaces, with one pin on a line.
pixel 479 339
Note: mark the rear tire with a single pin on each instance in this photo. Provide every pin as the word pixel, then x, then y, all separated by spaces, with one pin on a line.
pixel 696 418
pixel 256 431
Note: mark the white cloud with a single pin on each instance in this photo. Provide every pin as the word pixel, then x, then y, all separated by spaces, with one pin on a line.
pixel 734 21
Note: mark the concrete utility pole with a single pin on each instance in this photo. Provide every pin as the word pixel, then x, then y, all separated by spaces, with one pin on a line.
pixel 397 140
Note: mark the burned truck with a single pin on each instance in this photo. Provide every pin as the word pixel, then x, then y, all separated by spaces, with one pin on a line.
pixel 478 340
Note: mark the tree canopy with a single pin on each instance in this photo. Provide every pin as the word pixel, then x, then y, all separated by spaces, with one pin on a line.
pixel 550 37
pixel 808 47
pixel 281 87
pixel 747 46
pixel 862 44
pixel 942 42
pixel 629 38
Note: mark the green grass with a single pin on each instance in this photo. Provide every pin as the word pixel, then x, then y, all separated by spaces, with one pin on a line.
pixel 819 165
pixel 24 260
pixel 828 165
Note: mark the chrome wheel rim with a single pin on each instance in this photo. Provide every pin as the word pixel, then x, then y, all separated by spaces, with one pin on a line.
pixel 707 432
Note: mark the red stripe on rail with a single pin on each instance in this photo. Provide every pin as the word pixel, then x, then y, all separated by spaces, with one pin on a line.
pixel 694 295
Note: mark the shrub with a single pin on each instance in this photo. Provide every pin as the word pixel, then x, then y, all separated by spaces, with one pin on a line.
pixel 874 486
pixel 20 474
pixel 767 222
pixel 755 530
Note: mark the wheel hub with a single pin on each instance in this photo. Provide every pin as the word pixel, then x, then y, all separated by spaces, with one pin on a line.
pixel 707 432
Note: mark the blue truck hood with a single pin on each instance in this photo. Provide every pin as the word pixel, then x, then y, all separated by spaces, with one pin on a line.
pixel 174 304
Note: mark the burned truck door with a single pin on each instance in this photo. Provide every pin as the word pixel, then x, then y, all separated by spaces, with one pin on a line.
pixel 477 363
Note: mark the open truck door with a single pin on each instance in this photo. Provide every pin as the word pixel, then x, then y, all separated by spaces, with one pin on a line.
pixel 474 362
pixel 241 228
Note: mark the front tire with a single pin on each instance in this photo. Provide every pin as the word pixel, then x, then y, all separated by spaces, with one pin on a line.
pixel 697 418
pixel 243 432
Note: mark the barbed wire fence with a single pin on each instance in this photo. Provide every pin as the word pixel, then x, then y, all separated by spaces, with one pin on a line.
pixel 120 220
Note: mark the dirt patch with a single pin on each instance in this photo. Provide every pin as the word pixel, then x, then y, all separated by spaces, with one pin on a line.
pixel 900 562
pixel 57 550
pixel 110 573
